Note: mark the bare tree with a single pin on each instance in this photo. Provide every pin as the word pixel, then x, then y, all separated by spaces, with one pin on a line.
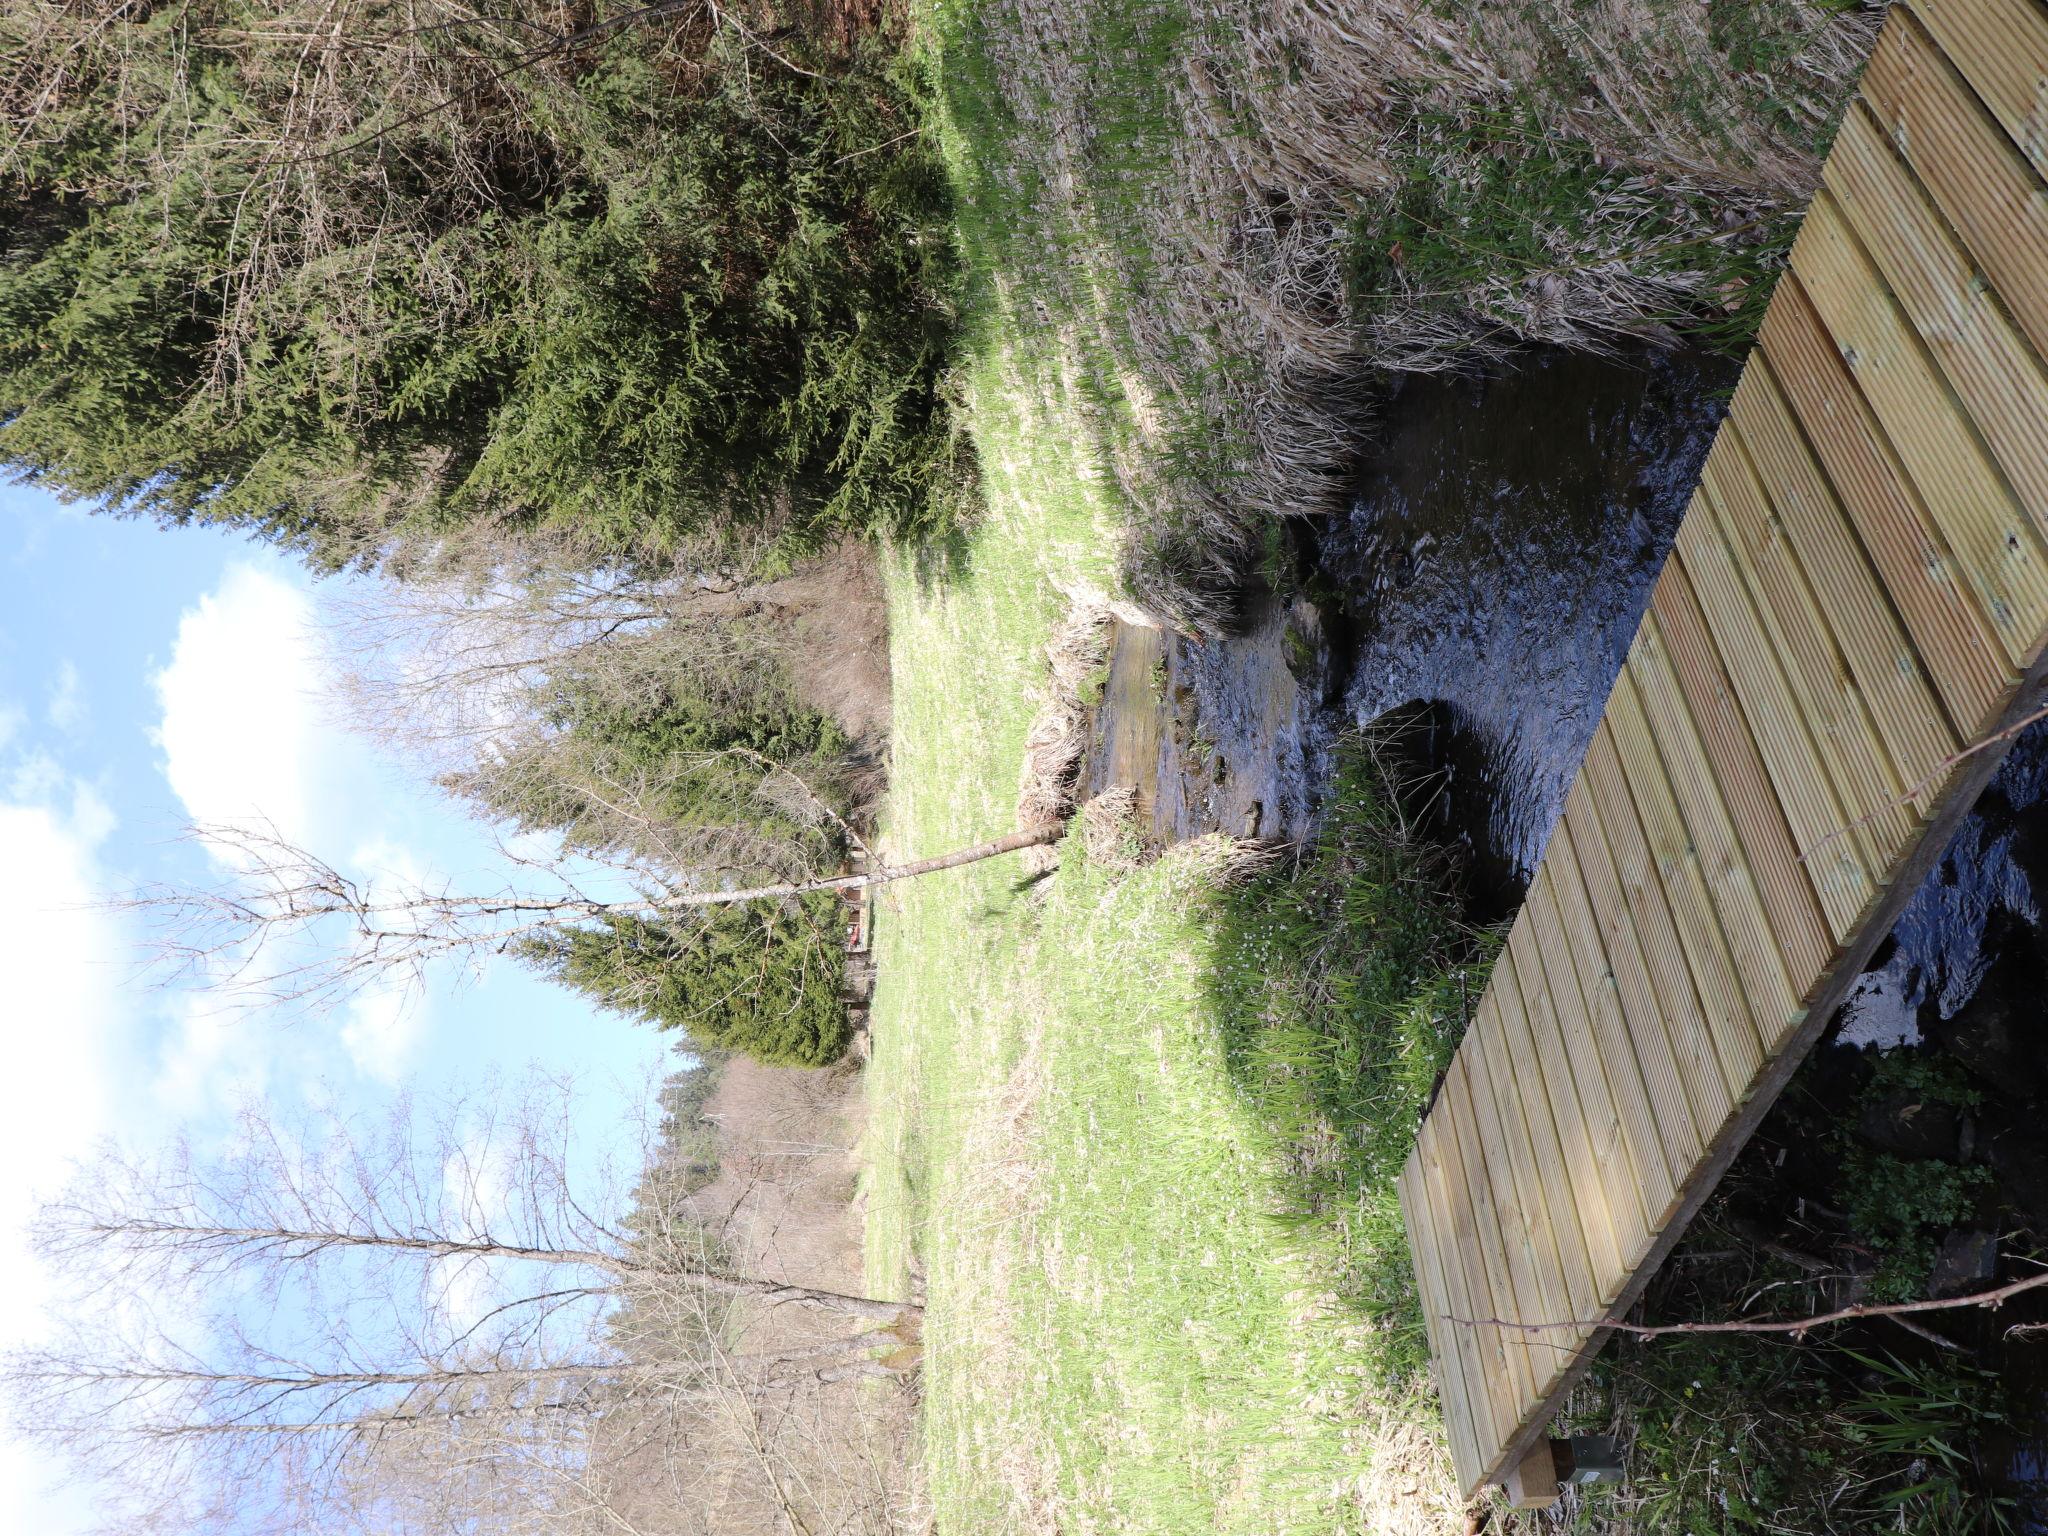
pixel 459 1291
pixel 290 928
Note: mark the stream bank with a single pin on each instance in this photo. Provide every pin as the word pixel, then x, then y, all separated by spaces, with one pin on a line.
pixel 1487 577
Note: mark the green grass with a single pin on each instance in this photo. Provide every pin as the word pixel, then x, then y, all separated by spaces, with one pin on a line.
pixel 1756 1437
pixel 1138 1135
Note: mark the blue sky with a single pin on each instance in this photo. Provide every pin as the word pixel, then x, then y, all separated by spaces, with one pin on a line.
pixel 149 679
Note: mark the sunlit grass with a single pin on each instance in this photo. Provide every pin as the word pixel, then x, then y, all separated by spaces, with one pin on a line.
pixel 1108 1114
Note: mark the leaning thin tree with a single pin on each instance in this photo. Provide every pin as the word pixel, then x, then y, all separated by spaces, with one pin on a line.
pixel 247 936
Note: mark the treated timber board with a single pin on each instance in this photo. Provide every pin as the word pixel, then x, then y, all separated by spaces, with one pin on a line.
pixel 1466 1298
pixel 1536 1226
pixel 1961 793
pixel 1982 184
pixel 1954 639
pixel 1640 1067
pixel 1521 1079
pixel 1475 1193
pixel 1996 547
pixel 1914 711
pixel 1455 1358
pixel 1790 822
pixel 1978 348
pixel 2001 48
pixel 1851 624
pixel 1605 1246
pixel 1657 990
pixel 1524 1231
pixel 1673 746
pixel 1867 781
pixel 1433 1295
pixel 1611 1137
pixel 1675 869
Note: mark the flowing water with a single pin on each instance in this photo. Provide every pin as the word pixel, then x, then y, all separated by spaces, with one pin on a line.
pixel 1492 566
pixel 1494 563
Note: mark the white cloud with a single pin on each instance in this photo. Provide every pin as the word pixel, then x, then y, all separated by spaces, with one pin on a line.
pixel 66 709
pixel 217 1049
pixel 382 1025
pixel 248 742
pixel 243 743
pixel 63 959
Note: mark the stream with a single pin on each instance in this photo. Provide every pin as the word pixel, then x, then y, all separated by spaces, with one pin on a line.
pixel 1491 568
pixel 1484 585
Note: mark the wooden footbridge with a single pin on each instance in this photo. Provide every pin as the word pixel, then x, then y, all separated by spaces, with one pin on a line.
pixel 1834 659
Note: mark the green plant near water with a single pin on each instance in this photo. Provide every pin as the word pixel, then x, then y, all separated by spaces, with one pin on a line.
pixel 1342 987
pixel 1738 1436
pixel 1900 1206
pixel 1928 1417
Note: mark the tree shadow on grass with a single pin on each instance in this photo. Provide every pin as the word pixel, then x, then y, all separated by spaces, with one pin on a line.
pixel 1343 984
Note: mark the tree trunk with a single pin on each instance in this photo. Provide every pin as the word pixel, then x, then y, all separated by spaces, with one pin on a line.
pixel 294 1243
pixel 989 850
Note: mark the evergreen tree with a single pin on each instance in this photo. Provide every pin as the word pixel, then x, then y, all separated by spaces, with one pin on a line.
pixel 765 978
pixel 638 272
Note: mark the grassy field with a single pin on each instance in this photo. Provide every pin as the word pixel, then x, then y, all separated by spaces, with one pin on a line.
pixel 1128 1128
pixel 1134 1131
pixel 1218 227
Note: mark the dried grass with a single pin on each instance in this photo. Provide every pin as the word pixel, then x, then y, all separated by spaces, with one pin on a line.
pixel 1109 829
pixel 1078 649
pixel 1211 258
pixel 1408 1487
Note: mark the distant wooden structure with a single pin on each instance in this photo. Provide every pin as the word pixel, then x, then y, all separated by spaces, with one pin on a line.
pixel 1858 599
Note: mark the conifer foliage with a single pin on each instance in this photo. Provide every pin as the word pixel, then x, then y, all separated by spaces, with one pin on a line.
pixel 763 978
pixel 339 270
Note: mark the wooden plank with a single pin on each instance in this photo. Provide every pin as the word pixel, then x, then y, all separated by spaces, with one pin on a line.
pixel 1982 354
pixel 1767 937
pixel 1994 543
pixel 1951 631
pixel 1471 1179
pixel 1748 715
pixel 1552 1351
pixel 1468 1379
pixel 1895 681
pixel 1641 1071
pixel 1607 1130
pixel 1583 1153
pixel 2001 48
pixel 1432 1288
pixel 1656 988
pixel 1521 1079
pixel 1623 769
pixel 1467 1298
pixel 1980 181
pixel 1679 1040
pixel 1860 585
pixel 1962 792
pixel 1867 781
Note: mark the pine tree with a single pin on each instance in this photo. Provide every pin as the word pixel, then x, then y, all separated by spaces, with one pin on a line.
pixel 630 271
pixel 765 978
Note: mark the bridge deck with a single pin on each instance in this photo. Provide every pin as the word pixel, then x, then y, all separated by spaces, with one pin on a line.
pixel 1859 595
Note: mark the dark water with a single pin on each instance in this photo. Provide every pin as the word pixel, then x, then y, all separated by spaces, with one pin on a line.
pixel 1493 566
